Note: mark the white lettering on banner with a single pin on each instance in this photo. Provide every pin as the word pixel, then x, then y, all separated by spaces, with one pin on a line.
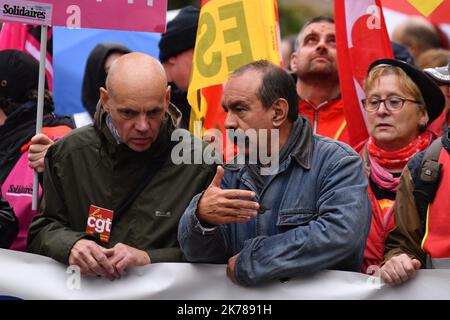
pixel 74 18
pixel 74 280
pixel 374 281
pixel 374 21
pixel 30 276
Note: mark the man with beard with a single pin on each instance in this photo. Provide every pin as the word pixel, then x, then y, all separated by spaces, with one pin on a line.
pixel 314 64
pixel 309 214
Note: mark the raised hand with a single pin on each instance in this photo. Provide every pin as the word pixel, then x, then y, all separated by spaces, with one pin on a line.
pixel 36 154
pixel 218 206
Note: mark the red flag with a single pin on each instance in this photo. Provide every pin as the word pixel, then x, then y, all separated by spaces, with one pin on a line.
pixel 26 38
pixel 361 38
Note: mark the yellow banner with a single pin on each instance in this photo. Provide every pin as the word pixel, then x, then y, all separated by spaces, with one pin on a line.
pixel 231 33
pixel 426 7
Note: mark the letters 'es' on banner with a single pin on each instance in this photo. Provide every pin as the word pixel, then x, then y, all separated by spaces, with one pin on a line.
pixel 231 33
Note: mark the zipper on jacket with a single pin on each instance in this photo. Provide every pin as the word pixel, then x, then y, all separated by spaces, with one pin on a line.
pixel 316 114
pixel 316 120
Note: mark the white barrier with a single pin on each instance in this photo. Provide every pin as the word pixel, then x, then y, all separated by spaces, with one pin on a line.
pixel 29 276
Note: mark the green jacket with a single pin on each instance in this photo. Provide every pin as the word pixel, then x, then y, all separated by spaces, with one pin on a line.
pixel 87 167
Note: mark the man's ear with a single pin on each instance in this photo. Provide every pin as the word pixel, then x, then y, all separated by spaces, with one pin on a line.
pixel 293 61
pixel 423 118
pixel 167 96
pixel 168 92
pixel 280 112
pixel 104 98
pixel 172 61
pixel 414 47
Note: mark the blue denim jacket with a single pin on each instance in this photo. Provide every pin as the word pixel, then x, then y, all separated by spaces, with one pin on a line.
pixel 323 219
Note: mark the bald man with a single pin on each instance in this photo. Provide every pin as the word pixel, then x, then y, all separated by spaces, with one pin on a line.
pixel 113 196
pixel 417 34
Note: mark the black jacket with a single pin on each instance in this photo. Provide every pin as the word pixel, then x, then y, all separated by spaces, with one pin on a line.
pixel 19 128
pixel 8 224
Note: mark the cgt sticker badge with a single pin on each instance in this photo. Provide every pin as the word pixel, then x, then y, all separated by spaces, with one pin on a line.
pixel 99 222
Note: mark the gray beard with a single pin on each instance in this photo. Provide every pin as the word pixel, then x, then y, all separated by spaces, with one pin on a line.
pixel 319 77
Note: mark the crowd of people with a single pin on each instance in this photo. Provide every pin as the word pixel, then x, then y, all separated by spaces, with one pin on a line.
pixel 111 196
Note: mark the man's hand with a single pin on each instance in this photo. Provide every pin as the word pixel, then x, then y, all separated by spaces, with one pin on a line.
pixel 230 269
pixel 218 206
pixel 39 146
pixel 92 259
pixel 123 256
pixel 399 269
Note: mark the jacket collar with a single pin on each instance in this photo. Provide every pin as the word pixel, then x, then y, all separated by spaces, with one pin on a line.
pixel 302 152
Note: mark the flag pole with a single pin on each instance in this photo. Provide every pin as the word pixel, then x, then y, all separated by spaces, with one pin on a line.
pixel 40 107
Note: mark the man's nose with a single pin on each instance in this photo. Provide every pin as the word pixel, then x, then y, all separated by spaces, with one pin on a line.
pixel 230 121
pixel 321 46
pixel 142 123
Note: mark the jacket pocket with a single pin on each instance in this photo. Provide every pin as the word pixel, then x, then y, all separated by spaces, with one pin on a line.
pixel 291 218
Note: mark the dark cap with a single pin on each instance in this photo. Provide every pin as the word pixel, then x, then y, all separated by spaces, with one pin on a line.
pixel 402 53
pixel 180 34
pixel 432 95
pixel 19 73
pixel 440 75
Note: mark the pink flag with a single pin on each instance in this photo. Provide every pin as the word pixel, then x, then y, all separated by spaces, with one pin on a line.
pixel 26 38
pixel 361 38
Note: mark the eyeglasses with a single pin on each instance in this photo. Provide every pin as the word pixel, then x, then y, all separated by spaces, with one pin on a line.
pixel 393 104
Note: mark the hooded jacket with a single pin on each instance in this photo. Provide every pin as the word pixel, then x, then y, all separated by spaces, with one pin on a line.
pixel 95 74
pixel 16 177
pixel 88 167
pixel 8 224
pixel 19 128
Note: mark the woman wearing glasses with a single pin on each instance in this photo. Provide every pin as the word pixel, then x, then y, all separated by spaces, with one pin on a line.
pixel 400 102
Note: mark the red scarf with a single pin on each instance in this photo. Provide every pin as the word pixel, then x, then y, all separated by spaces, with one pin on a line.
pixel 397 160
